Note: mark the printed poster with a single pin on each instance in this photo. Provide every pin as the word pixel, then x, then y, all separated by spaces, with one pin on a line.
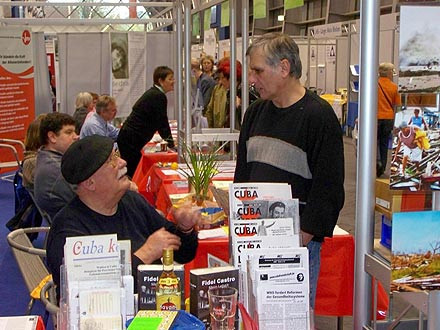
pixel 419 49
pixel 16 84
pixel 128 69
pixel 415 260
pixel 415 160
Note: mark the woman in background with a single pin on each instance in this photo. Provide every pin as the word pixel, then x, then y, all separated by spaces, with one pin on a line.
pixel 207 64
pixel 32 144
pixel 83 106
pixel 149 115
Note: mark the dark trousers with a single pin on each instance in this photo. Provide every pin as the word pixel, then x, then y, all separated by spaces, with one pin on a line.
pixel 130 151
pixel 384 128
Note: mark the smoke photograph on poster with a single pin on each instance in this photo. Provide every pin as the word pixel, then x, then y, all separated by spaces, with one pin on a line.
pixel 415 251
pixel 415 160
pixel 419 49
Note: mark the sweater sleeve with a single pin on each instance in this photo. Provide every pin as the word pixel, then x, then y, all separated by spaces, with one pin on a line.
pixel 241 168
pixel 162 120
pixel 326 160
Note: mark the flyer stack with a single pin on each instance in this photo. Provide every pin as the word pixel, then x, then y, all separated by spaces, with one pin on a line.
pixel 96 283
pixel 265 245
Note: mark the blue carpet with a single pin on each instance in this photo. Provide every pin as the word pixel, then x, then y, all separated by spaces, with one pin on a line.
pixel 15 296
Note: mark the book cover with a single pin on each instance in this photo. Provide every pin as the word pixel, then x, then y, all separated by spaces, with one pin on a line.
pixel 154 320
pixel 148 275
pixel 241 244
pixel 203 279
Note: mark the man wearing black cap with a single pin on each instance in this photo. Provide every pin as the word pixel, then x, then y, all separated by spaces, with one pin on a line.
pixel 105 205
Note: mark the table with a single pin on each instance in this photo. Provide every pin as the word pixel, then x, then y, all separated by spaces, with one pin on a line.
pixel 334 296
pixel 158 184
pixel 148 159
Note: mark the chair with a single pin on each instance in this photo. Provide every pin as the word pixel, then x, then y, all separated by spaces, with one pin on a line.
pixel 49 299
pixel 30 261
pixel 9 145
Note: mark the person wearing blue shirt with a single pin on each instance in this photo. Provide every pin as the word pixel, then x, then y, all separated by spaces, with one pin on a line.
pixel 417 120
pixel 99 122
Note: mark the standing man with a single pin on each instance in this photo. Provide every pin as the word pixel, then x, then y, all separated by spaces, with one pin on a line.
pixel 292 135
pixel 149 115
pixel 57 133
pixel 99 122
pixel 387 100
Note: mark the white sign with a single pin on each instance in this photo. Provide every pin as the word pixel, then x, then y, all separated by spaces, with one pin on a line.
pixel 330 52
pixel 327 31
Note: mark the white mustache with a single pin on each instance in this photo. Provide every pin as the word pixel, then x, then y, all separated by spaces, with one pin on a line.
pixel 122 172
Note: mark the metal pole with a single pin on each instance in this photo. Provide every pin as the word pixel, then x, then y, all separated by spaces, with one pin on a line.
pixel 179 95
pixel 233 75
pixel 245 45
pixel 433 308
pixel 366 175
pixel 187 75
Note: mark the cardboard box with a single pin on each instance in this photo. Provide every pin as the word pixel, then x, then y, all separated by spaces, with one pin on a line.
pixel 390 201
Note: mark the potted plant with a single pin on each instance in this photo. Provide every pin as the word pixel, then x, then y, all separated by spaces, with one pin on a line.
pixel 202 165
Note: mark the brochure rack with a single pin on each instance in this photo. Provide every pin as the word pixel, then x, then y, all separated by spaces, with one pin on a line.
pixel 96 292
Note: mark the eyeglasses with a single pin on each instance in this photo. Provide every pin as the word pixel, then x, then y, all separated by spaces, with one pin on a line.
pixel 113 159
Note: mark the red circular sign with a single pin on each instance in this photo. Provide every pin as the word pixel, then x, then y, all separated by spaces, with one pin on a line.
pixel 26 37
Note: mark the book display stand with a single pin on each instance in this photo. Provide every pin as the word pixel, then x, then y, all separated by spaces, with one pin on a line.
pixel 265 245
pixel 96 284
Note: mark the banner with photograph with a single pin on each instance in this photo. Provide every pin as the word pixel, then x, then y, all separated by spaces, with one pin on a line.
pixel 415 161
pixel 128 69
pixel 419 50
pixel 16 83
pixel 415 260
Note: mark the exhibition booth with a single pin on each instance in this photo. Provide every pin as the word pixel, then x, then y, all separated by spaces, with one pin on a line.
pixel 358 273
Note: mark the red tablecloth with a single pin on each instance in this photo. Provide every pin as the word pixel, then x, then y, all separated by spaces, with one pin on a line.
pixel 335 286
pixel 334 295
pixel 149 159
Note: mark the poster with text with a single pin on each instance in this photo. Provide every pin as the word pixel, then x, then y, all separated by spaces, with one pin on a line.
pixel 16 84
pixel 419 49
pixel 128 69
pixel 415 160
pixel 415 259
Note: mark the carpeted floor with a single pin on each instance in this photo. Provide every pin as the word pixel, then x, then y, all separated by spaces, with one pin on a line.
pixel 15 295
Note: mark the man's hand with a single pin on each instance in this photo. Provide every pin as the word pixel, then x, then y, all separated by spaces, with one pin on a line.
pixel 306 238
pixel 155 243
pixel 186 217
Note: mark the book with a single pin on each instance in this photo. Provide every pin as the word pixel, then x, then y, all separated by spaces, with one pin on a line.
pixel 148 275
pixel 203 279
pixel 153 320
pixel 262 215
pixel 241 244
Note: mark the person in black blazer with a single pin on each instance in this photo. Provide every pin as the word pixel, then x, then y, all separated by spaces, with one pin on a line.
pixel 149 114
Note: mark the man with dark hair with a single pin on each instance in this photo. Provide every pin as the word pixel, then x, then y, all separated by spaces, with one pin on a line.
pixel 277 210
pixel 149 115
pixel 57 133
pixel 99 122
pixel 105 205
pixel 292 135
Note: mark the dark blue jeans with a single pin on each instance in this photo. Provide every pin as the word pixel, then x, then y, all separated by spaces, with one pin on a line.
pixel 384 128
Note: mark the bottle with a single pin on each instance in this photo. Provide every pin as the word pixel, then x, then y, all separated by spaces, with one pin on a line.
pixel 168 293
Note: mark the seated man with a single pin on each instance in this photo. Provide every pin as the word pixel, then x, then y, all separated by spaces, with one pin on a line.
pixel 105 205
pixel 99 122
pixel 52 192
